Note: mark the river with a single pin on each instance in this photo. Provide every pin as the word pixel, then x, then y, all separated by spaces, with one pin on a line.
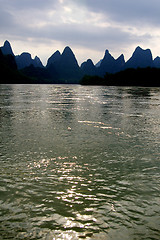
pixel 79 162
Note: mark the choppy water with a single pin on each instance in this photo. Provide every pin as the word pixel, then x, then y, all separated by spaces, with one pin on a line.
pixel 79 162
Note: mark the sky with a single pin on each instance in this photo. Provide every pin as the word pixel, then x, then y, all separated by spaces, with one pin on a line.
pixel 88 27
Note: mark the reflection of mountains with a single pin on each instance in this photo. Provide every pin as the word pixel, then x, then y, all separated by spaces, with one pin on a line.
pixel 140 92
pixel 64 68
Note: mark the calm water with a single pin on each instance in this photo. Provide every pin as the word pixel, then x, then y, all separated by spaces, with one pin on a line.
pixel 79 162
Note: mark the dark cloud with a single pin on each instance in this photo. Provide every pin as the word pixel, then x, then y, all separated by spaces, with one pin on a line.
pixel 134 12
pixel 6 20
pixel 28 4
pixel 98 37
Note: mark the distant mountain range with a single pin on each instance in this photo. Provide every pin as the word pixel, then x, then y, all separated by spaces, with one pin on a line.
pixel 64 68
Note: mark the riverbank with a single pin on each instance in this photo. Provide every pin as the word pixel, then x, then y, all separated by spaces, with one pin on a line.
pixel 147 77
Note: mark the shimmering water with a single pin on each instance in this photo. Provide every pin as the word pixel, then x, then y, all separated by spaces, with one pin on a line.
pixel 79 162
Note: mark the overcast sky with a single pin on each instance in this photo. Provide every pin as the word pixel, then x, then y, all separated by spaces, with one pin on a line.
pixel 89 27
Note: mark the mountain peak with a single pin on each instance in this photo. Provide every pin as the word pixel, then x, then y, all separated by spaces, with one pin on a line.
pixel 68 67
pixel 25 60
pixel 107 64
pixel 26 54
pixel 120 62
pixel 157 62
pixel 67 51
pixel 6 49
pixel 89 61
pixel 7 43
pixel 67 48
pixel 107 54
pixel 68 56
pixel 121 57
pixel 139 50
pixel 107 51
pixel 140 58
pixel 54 58
pixel 57 53
pixel 37 62
pixel 88 68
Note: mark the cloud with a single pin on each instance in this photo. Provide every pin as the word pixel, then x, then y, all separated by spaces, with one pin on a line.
pixel 124 11
pixel 6 20
pixel 87 25
pixel 28 4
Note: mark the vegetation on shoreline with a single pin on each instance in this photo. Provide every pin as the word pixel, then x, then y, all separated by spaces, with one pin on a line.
pixel 147 77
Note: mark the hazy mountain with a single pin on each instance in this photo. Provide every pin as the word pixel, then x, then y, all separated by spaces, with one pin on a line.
pixel 6 49
pixel 98 63
pixel 140 58
pixel 88 68
pixel 41 75
pixel 156 62
pixel 25 60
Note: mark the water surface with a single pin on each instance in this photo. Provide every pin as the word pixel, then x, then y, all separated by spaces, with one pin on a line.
pixel 79 162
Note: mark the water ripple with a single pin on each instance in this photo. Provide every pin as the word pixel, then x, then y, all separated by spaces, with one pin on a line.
pixel 79 163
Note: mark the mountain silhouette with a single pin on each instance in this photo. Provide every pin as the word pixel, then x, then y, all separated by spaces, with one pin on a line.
pixel 98 63
pixel 120 63
pixel 156 62
pixel 109 64
pixel 9 72
pixel 25 60
pixel 54 59
pixel 6 48
pixel 140 58
pixel 88 68
pixel 64 68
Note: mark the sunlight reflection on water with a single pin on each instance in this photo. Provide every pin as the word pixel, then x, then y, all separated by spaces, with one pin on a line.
pixel 79 163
